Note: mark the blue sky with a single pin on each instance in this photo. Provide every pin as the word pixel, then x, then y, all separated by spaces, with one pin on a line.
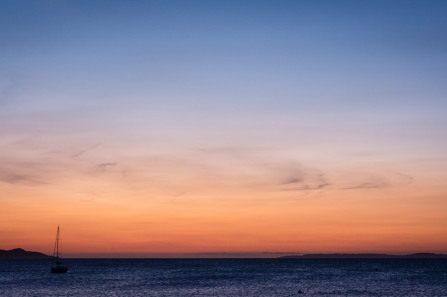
pixel 315 64
pixel 260 54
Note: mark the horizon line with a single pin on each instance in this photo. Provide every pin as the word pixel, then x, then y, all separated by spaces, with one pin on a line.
pixel 240 255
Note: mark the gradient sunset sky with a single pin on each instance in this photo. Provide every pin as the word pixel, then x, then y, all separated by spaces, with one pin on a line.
pixel 173 127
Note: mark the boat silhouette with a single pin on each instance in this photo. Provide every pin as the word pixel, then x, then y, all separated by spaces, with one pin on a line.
pixel 57 266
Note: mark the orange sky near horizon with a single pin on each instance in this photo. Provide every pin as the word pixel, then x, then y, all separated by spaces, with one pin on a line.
pixel 102 213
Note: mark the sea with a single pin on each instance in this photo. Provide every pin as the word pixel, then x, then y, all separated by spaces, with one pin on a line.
pixel 226 277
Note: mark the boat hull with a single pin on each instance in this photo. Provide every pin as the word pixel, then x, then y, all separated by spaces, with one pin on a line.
pixel 59 269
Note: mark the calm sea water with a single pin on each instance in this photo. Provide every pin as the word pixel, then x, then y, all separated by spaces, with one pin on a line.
pixel 226 277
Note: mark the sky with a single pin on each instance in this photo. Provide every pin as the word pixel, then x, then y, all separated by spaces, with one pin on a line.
pixel 223 127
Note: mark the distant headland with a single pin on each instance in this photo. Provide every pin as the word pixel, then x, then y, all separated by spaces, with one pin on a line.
pixel 367 256
pixel 21 254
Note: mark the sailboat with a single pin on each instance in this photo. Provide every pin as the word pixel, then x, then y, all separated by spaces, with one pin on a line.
pixel 57 266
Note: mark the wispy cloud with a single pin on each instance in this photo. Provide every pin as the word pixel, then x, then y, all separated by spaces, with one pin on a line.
pixel 25 173
pixel 302 178
pixel 12 178
pixel 307 187
pixel 84 151
pixel 368 185
pixel 103 166
pixel 369 181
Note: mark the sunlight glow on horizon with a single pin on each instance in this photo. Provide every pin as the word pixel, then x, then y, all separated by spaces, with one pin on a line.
pixel 236 127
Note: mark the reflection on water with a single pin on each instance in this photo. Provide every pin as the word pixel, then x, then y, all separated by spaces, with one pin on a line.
pixel 226 277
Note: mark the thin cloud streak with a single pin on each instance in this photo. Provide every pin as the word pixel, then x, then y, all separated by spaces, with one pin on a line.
pixel 199 171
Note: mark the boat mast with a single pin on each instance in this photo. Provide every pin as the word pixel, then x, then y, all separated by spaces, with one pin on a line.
pixel 57 244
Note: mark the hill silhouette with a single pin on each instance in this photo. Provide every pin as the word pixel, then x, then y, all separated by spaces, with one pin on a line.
pixel 367 256
pixel 21 254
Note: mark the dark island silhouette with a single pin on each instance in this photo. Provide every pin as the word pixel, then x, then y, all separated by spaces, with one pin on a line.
pixel 21 254
pixel 366 256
